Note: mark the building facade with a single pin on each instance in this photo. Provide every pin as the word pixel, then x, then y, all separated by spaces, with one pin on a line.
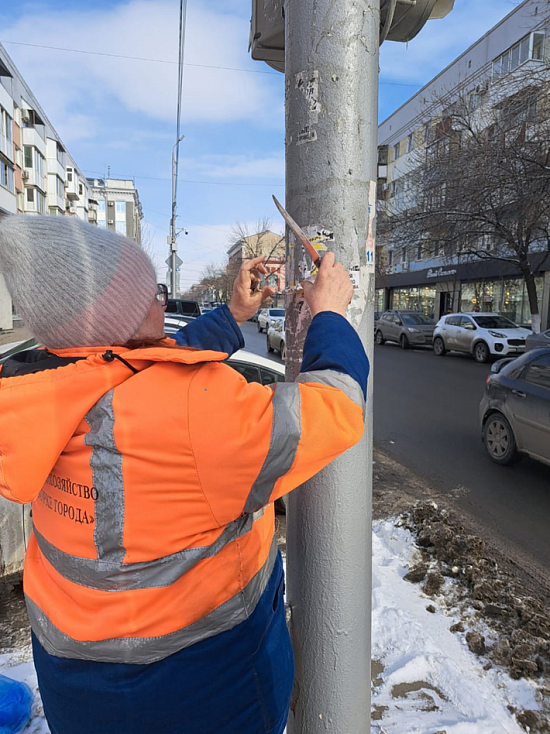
pixel 118 207
pixel 269 244
pixel 417 277
pixel 37 173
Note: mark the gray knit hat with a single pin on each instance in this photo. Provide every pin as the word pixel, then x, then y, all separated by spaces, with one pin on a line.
pixel 75 284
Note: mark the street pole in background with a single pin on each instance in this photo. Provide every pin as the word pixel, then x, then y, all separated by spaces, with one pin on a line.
pixel 331 59
pixel 173 258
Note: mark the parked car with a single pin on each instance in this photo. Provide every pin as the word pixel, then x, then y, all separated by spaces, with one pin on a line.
pixel 183 307
pixel 255 368
pixel 515 409
pixel 481 334
pixel 266 314
pixel 407 328
pixel 254 317
pixel 275 337
pixel 173 322
pixel 534 341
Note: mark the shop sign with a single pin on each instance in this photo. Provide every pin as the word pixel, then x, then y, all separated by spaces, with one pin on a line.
pixel 440 273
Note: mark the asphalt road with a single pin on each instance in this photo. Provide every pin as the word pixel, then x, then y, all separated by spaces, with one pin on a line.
pixel 256 342
pixel 426 415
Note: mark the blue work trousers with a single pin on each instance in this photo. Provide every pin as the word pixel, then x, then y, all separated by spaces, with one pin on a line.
pixel 238 682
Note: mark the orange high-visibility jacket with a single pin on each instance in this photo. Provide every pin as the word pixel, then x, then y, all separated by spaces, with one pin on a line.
pixel 152 492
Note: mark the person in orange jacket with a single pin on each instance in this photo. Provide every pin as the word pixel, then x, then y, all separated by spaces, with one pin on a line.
pixel 152 579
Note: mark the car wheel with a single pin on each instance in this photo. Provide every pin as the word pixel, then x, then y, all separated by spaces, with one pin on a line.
pixel 403 341
pixel 499 439
pixel 481 352
pixel 283 351
pixel 439 347
pixel 269 347
pixel 380 337
pixel 259 328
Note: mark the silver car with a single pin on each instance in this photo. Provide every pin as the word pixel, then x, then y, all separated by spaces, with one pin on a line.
pixel 483 335
pixel 265 316
pixel 407 328
pixel 276 337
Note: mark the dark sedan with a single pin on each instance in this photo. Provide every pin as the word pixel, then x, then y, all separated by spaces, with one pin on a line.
pixel 534 341
pixel 515 409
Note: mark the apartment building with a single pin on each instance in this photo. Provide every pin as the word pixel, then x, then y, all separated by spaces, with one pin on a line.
pixel 37 173
pixel 118 206
pixel 417 277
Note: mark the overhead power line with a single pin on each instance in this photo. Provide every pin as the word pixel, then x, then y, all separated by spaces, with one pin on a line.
pixel 167 61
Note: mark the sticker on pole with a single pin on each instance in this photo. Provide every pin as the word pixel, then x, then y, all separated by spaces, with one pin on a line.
pixel 371 244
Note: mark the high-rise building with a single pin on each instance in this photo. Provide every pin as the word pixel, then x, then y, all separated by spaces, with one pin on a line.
pixel 118 206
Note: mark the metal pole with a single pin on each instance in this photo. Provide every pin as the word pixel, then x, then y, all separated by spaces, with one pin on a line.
pixel 331 155
pixel 173 243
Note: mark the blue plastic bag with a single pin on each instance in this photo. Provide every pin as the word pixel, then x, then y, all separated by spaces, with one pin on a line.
pixel 15 705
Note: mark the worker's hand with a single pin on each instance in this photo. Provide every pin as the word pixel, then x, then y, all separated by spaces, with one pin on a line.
pixel 332 290
pixel 247 296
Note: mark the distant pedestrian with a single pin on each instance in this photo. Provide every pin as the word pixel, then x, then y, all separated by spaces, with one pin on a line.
pixel 152 579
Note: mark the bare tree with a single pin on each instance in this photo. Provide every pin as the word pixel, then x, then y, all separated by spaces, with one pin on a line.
pixel 259 242
pixel 479 186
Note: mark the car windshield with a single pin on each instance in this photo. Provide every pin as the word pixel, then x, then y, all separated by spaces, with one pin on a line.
pixel 416 318
pixel 276 312
pixel 494 322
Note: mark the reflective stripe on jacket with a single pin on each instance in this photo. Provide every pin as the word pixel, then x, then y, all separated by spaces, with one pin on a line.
pixel 152 492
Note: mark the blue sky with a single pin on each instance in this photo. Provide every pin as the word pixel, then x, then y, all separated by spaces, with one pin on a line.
pixel 121 113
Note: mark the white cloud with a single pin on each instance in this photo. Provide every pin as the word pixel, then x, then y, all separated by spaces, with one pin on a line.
pixel 143 28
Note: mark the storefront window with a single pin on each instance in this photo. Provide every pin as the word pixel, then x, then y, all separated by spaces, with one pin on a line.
pixel 379 301
pixel 507 297
pixel 414 299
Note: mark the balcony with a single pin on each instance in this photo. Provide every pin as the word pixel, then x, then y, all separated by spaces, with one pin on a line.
pixel 55 167
pixel 31 136
pixel 6 147
pixel 33 178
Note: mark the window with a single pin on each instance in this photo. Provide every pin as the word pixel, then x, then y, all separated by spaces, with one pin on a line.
pixel 30 195
pixel 121 206
pixel 101 223
pixel 6 176
pixel 80 189
pixel 419 252
pixel 538 373
pixel 121 227
pixel 453 320
pixel 530 47
pixel 396 151
pixel 101 205
pixel 69 174
pixel 410 143
pixel 390 258
pixel 537 54
pixel 5 124
pixel 27 150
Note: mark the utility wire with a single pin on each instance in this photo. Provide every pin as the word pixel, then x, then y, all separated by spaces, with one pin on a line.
pixel 185 180
pixel 166 61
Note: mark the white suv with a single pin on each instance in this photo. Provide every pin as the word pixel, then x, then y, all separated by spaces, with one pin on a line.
pixel 481 334
pixel 265 316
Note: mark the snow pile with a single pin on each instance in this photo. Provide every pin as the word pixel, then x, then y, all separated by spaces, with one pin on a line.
pixel 425 679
